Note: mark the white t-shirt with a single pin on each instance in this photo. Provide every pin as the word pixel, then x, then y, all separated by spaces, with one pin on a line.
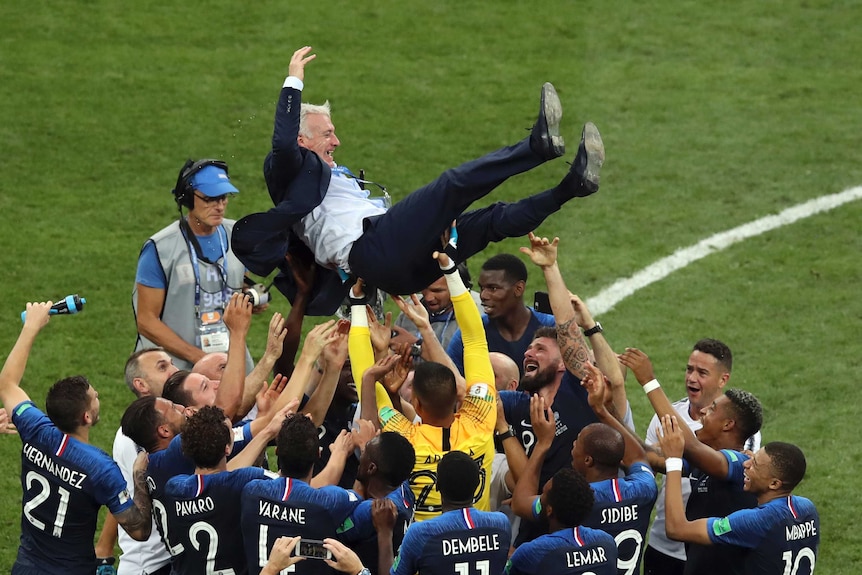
pixel 658 538
pixel 138 556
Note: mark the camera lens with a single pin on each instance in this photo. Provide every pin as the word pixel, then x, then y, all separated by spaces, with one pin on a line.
pixel 258 294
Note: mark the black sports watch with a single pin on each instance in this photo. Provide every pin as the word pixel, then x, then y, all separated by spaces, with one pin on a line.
pixel 505 435
pixel 594 330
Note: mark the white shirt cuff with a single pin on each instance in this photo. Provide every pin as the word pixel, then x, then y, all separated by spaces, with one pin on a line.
pixel 293 82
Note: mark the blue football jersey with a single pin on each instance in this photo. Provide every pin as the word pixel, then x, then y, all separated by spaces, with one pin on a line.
pixel 290 507
pixel 572 412
pixel 566 552
pixel 65 482
pixel 207 520
pixel 717 497
pixel 358 533
pixel 463 542
pixel 622 509
pixel 163 466
pixel 781 536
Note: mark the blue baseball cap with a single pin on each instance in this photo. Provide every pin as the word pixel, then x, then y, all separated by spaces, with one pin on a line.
pixel 213 182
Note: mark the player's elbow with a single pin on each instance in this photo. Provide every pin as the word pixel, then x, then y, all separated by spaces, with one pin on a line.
pixel 675 530
pixel 522 509
pixel 140 529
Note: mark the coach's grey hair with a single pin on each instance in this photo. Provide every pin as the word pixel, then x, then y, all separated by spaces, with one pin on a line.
pixel 311 109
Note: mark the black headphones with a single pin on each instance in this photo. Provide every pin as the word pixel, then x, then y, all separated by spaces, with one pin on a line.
pixel 184 192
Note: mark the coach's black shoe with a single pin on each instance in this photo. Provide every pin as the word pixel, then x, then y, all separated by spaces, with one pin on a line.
pixel 583 177
pixel 545 139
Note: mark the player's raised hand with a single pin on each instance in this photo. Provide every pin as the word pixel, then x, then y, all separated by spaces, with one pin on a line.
pixel 542 251
pixel 542 419
pixel 381 368
pixel 416 312
pixel 639 363
pixel 37 314
pixel 237 313
pixel 318 338
pixel 383 515
pixel 6 426
pixel 275 337
pixel 670 437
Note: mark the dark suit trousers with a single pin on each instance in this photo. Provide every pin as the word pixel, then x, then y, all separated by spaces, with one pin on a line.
pixel 395 252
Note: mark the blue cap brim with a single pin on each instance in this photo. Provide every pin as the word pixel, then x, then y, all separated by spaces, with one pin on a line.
pixel 212 181
pixel 216 189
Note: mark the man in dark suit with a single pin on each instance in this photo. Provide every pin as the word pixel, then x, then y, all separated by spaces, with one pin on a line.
pixel 322 213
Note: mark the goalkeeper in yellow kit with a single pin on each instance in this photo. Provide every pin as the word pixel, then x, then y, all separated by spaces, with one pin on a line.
pixel 437 390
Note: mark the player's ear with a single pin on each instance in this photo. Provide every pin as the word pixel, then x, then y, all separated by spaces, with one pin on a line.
pixel 140 386
pixel 520 287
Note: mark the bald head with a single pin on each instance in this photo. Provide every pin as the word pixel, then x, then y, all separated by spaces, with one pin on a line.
pixel 506 372
pixel 211 365
pixel 604 443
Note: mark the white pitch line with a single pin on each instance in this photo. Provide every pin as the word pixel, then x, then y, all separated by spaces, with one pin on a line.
pixel 606 299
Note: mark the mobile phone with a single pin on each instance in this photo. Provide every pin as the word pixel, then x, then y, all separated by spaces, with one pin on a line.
pixel 542 303
pixel 313 549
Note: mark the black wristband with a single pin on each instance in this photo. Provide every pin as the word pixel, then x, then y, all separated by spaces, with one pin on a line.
pixel 594 330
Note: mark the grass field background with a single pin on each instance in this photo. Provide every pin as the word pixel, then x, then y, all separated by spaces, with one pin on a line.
pixel 712 116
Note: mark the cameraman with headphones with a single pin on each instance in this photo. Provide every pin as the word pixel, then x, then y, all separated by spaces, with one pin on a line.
pixel 187 271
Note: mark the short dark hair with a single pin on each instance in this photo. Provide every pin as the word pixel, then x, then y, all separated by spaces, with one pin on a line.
pixel 297 446
pixel 67 401
pixel 604 444
pixel 570 497
pixel 512 267
pixel 548 331
pixel 175 391
pixel 747 412
pixel 133 367
pixel 434 385
pixel 140 423
pixel 788 462
pixel 205 437
pixel 458 477
pixel 717 349
pixel 396 457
